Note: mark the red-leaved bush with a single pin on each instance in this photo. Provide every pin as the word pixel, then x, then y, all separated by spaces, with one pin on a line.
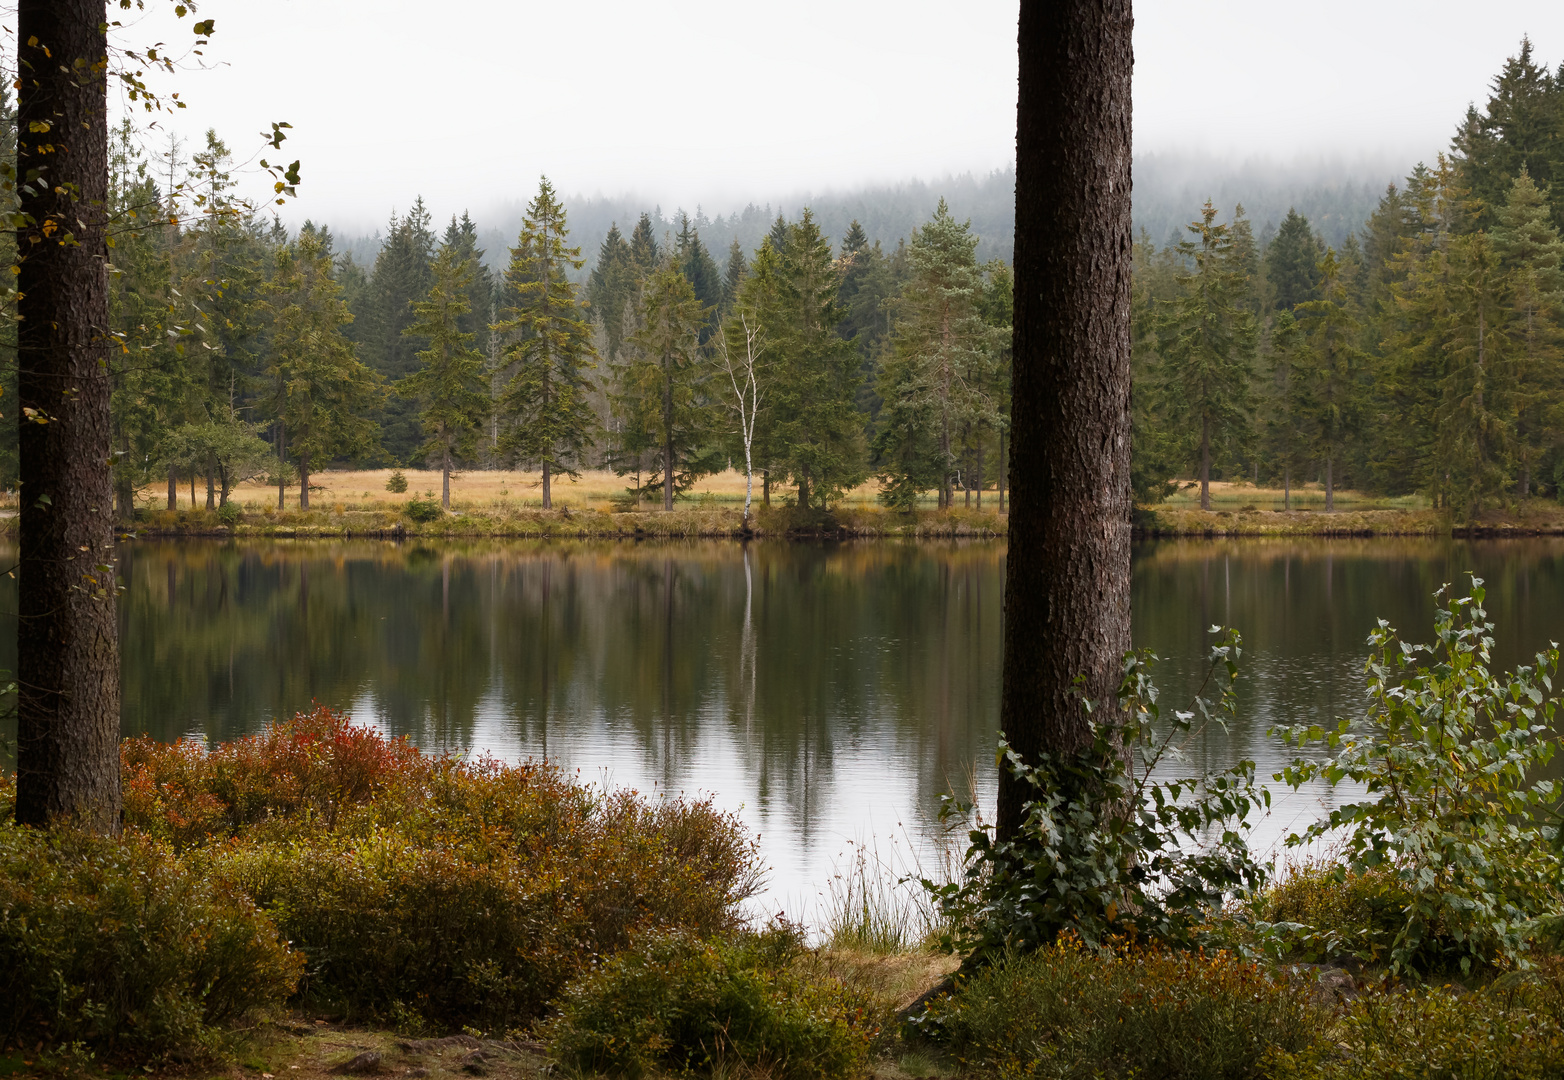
pixel 462 892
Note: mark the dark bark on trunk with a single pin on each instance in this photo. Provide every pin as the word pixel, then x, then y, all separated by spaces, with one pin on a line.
pixel 977 472
pixel 1067 583
pixel 211 479
pixel 803 489
pixel 282 466
pixel 1330 490
pixel 173 488
pixel 668 440
pixel 124 489
pixel 68 641
pixel 548 494
pixel 1525 478
pixel 1286 487
pixel 304 483
pixel 765 488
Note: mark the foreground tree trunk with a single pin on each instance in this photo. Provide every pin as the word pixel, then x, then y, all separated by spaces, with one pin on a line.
pixel 1067 581
pixel 68 644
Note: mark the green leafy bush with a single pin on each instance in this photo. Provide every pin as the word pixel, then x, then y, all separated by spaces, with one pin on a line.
pixel 397 482
pixel 676 1002
pixel 120 945
pixel 1104 849
pixel 1326 913
pixel 1068 1011
pixel 230 513
pixel 467 892
pixel 427 509
pixel 1512 1030
pixel 1459 829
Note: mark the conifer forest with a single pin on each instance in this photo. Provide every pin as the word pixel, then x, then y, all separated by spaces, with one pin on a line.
pixel 1422 353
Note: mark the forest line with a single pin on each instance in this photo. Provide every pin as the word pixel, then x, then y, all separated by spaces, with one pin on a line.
pixel 1423 354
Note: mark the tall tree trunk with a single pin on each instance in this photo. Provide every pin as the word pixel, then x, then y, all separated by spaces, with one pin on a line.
pixel 1525 486
pixel 1330 491
pixel 1286 487
pixel 124 488
pixel 944 458
pixel 977 472
pixel 211 481
pixel 548 494
pixel 1067 577
pixel 1205 463
pixel 445 472
pixel 304 482
pixel 765 488
pixel 173 488
pixel 67 765
pixel 282 466
pixel 668 440
pixel 1003 472
pixel 803 489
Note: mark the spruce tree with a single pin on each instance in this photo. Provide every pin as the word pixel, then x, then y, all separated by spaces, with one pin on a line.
pixel 320 394
pixel 662 402
pixel 733 276
pixel 451 388
pixel 816 429
pixel 400 278
pixel 611 286
pixel 1531 256
pixel 643 246
pixel 1475 417
pixel 1286 404
pixel 1292 263
pixel 1206 348
pixel 700 270
pixel 940 375
pixel 547 348
pixel 462 236
pixel 1330 369
pixel 1521 128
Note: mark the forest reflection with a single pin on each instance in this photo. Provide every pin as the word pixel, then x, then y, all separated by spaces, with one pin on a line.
pixel 831 691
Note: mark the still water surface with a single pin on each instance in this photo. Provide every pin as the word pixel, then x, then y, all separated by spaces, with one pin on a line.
pixel 828 693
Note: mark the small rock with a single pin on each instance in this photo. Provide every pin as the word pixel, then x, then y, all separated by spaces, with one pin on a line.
pixel 365 1063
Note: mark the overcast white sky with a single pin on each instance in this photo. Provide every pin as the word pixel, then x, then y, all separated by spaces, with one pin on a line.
pixel 719 102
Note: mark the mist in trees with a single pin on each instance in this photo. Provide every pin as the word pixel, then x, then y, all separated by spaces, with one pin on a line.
pixel 1419 353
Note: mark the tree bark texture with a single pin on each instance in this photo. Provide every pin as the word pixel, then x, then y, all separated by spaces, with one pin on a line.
pixel 1067 580
pixel 68 639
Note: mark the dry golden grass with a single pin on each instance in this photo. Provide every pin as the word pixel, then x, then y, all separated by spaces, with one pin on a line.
pixel 365 489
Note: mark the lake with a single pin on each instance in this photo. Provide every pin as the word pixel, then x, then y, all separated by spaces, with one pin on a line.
pixel 828 693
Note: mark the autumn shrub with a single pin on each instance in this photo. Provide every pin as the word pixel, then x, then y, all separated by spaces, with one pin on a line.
pixel 1331 913
pixel 118 945
pixel 1067 1010
pixel 1510 1030
pixel 468 892
pixel 423 510
pixel 676 1002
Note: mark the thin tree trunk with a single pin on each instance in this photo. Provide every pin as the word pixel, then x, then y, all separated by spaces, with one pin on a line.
pixel 1003 472
pixel 445 472
pixel 765 488
pixel 1330 491
pixel 803 489
pixel 548 496
pixel 67 764
pixel 173 488
pixel 282 466
pixel 1525 477
pixel 1286 487
pixel 977 478
pixel 668 440
pixel 211 481
pixel 304 483
pixel 1067 578
pixel 1205 464
pixel 944 457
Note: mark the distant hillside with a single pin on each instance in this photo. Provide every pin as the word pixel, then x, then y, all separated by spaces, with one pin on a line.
pixel 1169 191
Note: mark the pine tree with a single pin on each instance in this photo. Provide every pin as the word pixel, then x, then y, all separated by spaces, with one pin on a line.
pixel 1475 426
pixel 548 347
pixel 1206 349
pixel 643 246
pixel 1292 263
pixel 1531 255
pixel 816 429
pixel 1522 128
pixel 940 376
pixel 462 236
pixel 700 270
pixel 662 402
pixel 399 279
pixel 1287 438
pixel 733 276
pixel 1330 368
pixel 611 286
pixel 451 387
pixel 320 392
